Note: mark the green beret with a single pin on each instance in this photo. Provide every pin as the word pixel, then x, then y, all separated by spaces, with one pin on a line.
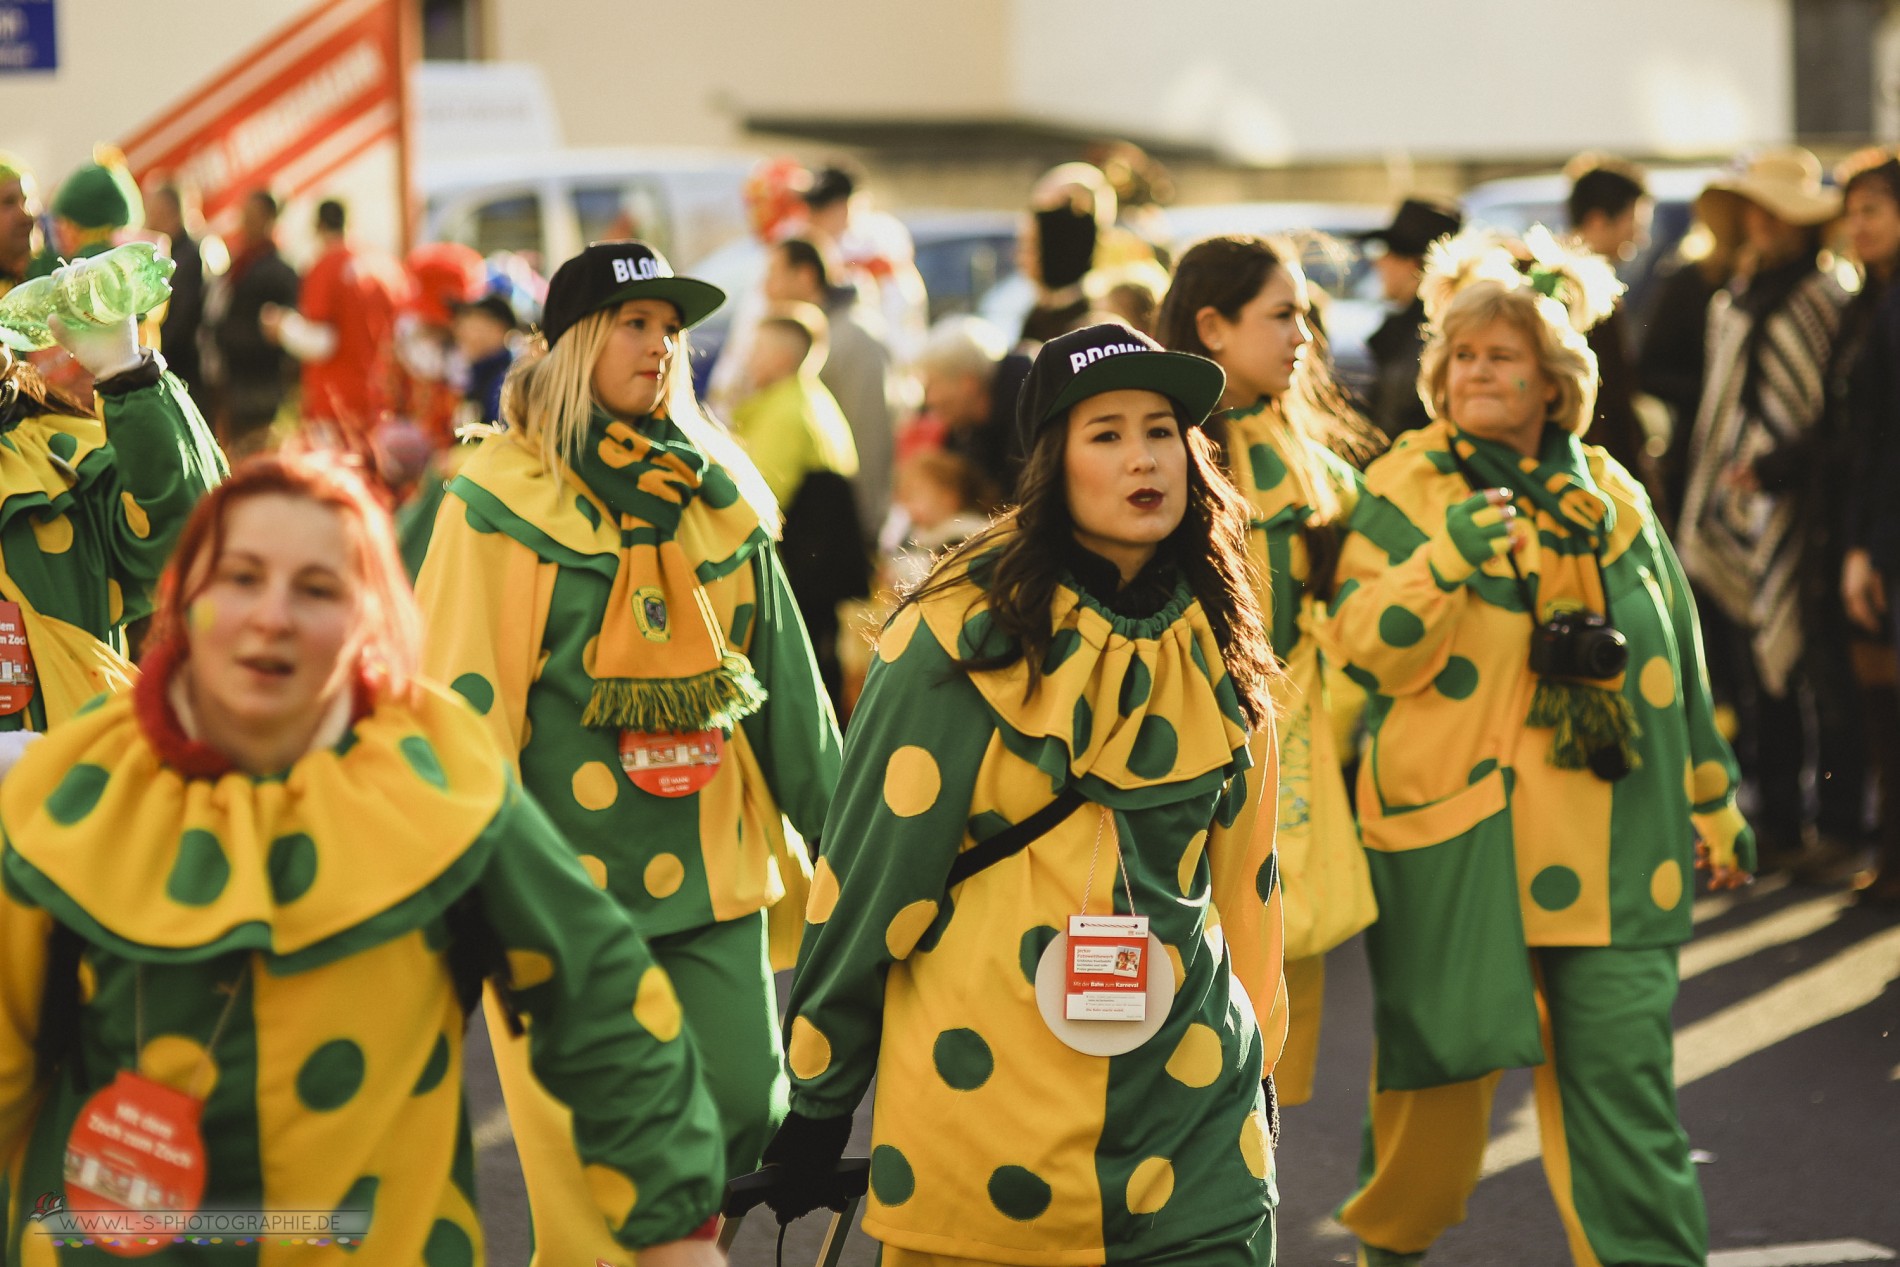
pixel 101 195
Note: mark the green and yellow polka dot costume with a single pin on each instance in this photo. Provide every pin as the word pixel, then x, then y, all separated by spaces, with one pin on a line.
pixel 992 1140
pixel 1515 895
pixel 320 897
pixel 514 591
pixel 89 512
pixel 1322 868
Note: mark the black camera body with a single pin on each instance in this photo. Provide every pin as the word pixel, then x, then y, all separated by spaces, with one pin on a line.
pixel 1578 644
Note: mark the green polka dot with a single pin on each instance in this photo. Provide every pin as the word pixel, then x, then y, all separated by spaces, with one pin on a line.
pixel 421 757
pixel 200 871
pixel 892 1180
pixel 1458 679
pixel 1442 461
pixel 1019 1194
pixel 13 889
pixel 1200 658
pixel 1029 951
pixel 1229 701
pixel 331 1075
pixel 435 935
pixel 1400 627
pixel 292 866
pixel 63 445
pixel 988 823
pixel 78 791
pixel 361 1199
pixel 1267 879
pixel 477 690
pixel 1361 678
pixel 982 569
pixel 589 511
pixel 433 1071
pixel 946 908
pixel 1232 801
pixel 448 1246
pixel 1155 747
pixel 975 639
pixel 92 705
pixel 1064 643
pixel 1137 682
pixel 1482 770
pixel 8 441
pixel 741 623
pixel 1344 592
pixel 717 489
pixel 1082 728
pixel 964 1060
pixel 1268 468
pixel 1555 887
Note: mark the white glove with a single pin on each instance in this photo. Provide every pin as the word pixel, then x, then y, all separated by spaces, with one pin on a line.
pixel 103 351
pixel 13 745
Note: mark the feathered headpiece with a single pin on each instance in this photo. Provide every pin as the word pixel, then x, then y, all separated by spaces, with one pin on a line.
pixel 1581 287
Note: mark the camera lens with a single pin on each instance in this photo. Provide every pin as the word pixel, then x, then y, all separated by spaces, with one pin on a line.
pixel 1603 652
pixel 1608 763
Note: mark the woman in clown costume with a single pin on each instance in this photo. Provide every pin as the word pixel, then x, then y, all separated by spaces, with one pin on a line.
pixel 246 905
pixel 1543 761
pixel 603 587
pixel 1093 664
pixel 1242 301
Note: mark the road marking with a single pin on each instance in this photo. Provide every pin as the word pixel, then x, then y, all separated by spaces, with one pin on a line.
pixel 1806 1254
pixel 1803 919
pixel 1713 905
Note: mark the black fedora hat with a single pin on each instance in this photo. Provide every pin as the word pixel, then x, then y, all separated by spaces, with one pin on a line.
pixel 1111 357
pixel 1417 224
pixel 608 274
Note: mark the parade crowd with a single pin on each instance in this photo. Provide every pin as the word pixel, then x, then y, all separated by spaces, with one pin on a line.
pixel 397 640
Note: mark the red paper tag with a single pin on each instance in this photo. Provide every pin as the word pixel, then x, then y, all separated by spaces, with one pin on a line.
pixel 1108 968
pixel 669 764
pixel 137 1147
pixel 16 661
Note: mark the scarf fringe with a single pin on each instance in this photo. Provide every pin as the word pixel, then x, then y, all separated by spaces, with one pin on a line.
pixel 716 699
pixel 1585 719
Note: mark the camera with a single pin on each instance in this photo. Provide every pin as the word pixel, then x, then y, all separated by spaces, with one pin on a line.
pixel 1578 644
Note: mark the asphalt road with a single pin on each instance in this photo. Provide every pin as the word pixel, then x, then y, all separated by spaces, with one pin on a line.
pixel 1788 1063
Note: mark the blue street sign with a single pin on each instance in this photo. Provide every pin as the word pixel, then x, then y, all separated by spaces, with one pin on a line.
pixel 26 36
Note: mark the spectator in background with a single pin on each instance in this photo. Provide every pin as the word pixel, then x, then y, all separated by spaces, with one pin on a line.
pixel 486 337
pixel 91 209
pixel 775 210
pixel 250 375
pixel 1754 533
pixel 1674 353
pixel 1143 186
pixel 1130 291
pixel 858 369
pixel 875 251
pixel 1071 209
pixel 943 501
pixel 443 276
pixel 165 213
pixel 342 332
pixel 19 221
pixel 965 396
pixel 1398 254
pixel 1610 209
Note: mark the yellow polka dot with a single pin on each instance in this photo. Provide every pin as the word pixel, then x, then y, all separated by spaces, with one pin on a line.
pixel 1688 780
pixel 1665 887
pixel 1196 1062
pixel 1150 1186
pixel 656 1007
pixel 541 665
pixel 88 980
pixel 596 870
pixel 527 732
pixel 1658 682
pixel 595 786
pixel 135 516
pixel 1711 781
pixel 911 781
pixel 897 635
pixel 115 602
pixel 1180 968
pixel 907 926
pixel 1253 1144
pixel 809 1052
pixel 179 1062
pixel 55 535
pixel 664 875
pixel 587 653
pixel 824 893
pixel 1190 860
pixel 613 1192
pixel 529 968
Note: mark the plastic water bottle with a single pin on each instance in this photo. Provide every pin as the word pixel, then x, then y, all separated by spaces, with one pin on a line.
pixel 98 290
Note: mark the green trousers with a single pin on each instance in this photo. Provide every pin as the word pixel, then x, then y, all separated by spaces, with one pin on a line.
pixel 1615 1153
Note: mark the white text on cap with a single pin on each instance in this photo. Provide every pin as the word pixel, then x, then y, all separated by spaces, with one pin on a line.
pixel 644 269
pixel 1078 361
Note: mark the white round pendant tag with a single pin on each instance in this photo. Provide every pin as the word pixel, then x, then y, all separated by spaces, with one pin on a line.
pixel 1102 1038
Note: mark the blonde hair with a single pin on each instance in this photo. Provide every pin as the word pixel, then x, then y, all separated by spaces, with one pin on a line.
pixel 1475 279
pixel 549 399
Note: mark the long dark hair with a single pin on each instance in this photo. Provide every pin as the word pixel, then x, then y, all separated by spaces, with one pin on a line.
pixel 1209 546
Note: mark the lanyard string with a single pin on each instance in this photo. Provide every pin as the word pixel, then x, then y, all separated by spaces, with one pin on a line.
pixel 217 1031
pixel 1120 863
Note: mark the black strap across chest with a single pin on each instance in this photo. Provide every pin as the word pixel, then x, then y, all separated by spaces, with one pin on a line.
pixel 1015 838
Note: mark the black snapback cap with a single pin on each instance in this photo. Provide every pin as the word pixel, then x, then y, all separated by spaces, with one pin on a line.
pixel 1112 357
pixel 608 274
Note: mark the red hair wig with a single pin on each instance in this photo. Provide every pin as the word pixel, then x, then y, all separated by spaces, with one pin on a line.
pixel 389 626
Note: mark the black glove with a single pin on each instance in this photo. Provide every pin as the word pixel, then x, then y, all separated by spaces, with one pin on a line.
pixel 1273 1111
pixel 806 1151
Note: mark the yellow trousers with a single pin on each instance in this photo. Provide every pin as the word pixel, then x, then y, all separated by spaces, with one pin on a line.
pixel 1305 998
